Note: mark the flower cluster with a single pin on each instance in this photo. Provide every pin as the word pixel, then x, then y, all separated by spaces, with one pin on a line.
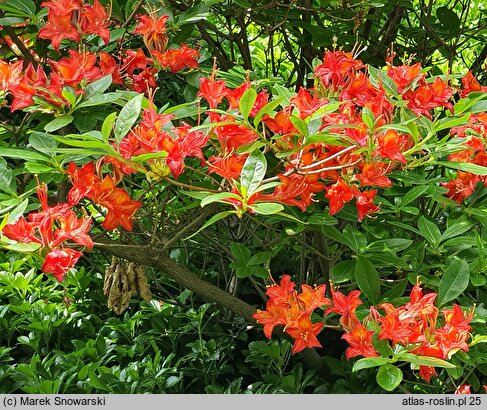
pixel 286 307
pixel 54 225
pixel 473 151
pixel 73 19
pixel 51 227
pixel 150 136
pixel 118 203
pixel 414 325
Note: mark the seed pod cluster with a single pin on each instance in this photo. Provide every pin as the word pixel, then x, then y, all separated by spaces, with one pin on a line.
pixel 124 279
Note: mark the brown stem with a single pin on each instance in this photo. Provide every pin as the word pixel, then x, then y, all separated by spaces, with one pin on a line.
pixel 144 255
pixel 28 57
pixel 133 14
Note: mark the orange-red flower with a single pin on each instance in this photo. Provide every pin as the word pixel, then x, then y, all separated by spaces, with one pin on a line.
pixel 60 261
pixel 304 333
pixel 306 103
pixel 374 174
pixel 364 201
pixel 273 315
pixel 212 91
pixel 153 30
pixel 360 342
pixel 404 75
pixel 178 58
pixel 336 68
pixel 229 166
pixel 58 28
pixel 339 194
pixel 94 19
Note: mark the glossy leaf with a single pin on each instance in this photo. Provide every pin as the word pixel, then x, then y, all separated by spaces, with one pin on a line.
pixel 389 376
pixel 454 281
pixel 367 279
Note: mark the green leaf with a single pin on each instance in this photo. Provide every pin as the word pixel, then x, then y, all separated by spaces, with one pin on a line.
pixel 425 361
pixel 300 125
pixel 448 19
pixel 253 172
pixel 18 211
pixel 429 230
pixel 107 126
pixel 414 193
pixel 367 279
pixel 98 87
pixel 96 382
pixel 267 208
pixel 266 109
pixel 19 7
pixel 220 197
pixel 333 233
pixel 247 102
pixel 7 180
pixel 389 377
pixel 392 245
pixel 464 166
pixel 368 362
pixel 211 221
pixel 10 21
pixel 194 14
pixel 58 122
pixel 100 99
pixel 241 252
pixel 127 117
pixel 42 142
pixel 23 247
pixel 343 271
pixel 454 281
pixel 23 154
pixel 356 240
pixel 456 229
pixel 450 122
pixel 260 257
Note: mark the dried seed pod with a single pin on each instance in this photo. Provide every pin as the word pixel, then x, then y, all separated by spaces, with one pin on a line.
pixel 123 280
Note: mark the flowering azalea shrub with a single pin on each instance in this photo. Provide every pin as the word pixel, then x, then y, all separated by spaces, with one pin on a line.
pixel 385 166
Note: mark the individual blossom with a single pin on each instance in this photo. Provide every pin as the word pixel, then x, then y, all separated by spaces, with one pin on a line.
pixel 339 194
pixel 391 144
pixel 463 389
pixel 313 297
pixel 404 75
pixel 345 306
pixel 306 103
pixel 77 68
pixel 462 186
pixel 213 91
pixel 229 167
pixel 178 58
pixel 470 84
pixel 94 19
pixel 374 174
pixel 336 68
pixel 273 315
pixel 60 261
pixel 304 333
pixel 60 24
pixel 364 201
pixel 428 96
pixel 360 342
pixel 153 31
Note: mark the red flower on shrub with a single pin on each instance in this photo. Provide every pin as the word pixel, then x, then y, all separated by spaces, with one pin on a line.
pixel 304 333
pixel 153 30
pixel 60 261
pixel 178 58
pixel 94 19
